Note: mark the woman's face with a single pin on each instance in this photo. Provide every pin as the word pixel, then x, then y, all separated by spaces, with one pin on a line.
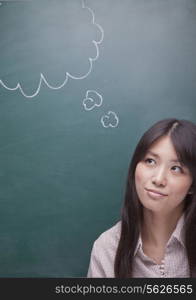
pixel 161 171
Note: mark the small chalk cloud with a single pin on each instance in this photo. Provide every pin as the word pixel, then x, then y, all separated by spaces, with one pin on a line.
pixel 92 99
pixel 53 42
pixel 110 120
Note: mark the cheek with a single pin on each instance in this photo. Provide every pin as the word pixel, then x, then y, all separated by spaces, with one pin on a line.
pixel 181 188
pixel 137 174
pixel 140 175
pixel 141 172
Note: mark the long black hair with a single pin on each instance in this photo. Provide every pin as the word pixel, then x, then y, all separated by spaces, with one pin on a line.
pixel 183 137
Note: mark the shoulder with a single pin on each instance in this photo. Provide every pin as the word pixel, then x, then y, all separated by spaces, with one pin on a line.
pixel 104 252
pixel 109 239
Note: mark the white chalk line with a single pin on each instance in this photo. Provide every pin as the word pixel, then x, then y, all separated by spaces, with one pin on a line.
pixel 107 117
pixel 92 100
pixel 68 75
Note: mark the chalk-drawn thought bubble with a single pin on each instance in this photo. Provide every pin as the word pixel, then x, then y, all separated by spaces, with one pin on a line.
pixel 92 99
pixel 110 120
pixel 46 43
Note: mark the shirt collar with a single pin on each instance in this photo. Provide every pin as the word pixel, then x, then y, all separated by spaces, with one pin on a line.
pixel 138 245
pixel 178 234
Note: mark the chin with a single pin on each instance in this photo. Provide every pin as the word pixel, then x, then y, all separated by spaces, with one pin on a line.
pixel 155 207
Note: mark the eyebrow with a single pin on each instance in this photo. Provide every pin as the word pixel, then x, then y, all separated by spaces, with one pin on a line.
pixel 156 155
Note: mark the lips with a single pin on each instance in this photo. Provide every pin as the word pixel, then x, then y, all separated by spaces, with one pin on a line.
pixel 155 192
pixel 155 195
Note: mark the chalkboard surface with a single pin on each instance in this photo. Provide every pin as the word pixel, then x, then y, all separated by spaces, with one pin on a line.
pixel 80 81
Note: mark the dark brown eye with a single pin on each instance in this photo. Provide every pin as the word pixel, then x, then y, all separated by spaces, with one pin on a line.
pixel 149 161
pixel 177 169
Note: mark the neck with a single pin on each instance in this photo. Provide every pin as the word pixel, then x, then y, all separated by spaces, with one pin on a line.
pixel 156 229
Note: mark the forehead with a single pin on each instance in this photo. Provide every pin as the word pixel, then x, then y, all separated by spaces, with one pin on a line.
pixel 163 147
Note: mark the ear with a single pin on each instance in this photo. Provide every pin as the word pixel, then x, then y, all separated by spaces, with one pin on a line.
pixel 190 192
pixel 191 189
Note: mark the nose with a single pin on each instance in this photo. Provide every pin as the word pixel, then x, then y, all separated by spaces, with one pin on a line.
pixel 159 177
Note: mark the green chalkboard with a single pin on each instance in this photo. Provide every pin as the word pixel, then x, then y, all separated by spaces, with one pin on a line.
pixel 80 81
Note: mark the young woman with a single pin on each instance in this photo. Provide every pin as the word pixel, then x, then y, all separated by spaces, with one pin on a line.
pixel 156 236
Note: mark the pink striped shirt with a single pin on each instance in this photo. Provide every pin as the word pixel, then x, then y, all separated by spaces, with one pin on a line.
pixel 175 263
